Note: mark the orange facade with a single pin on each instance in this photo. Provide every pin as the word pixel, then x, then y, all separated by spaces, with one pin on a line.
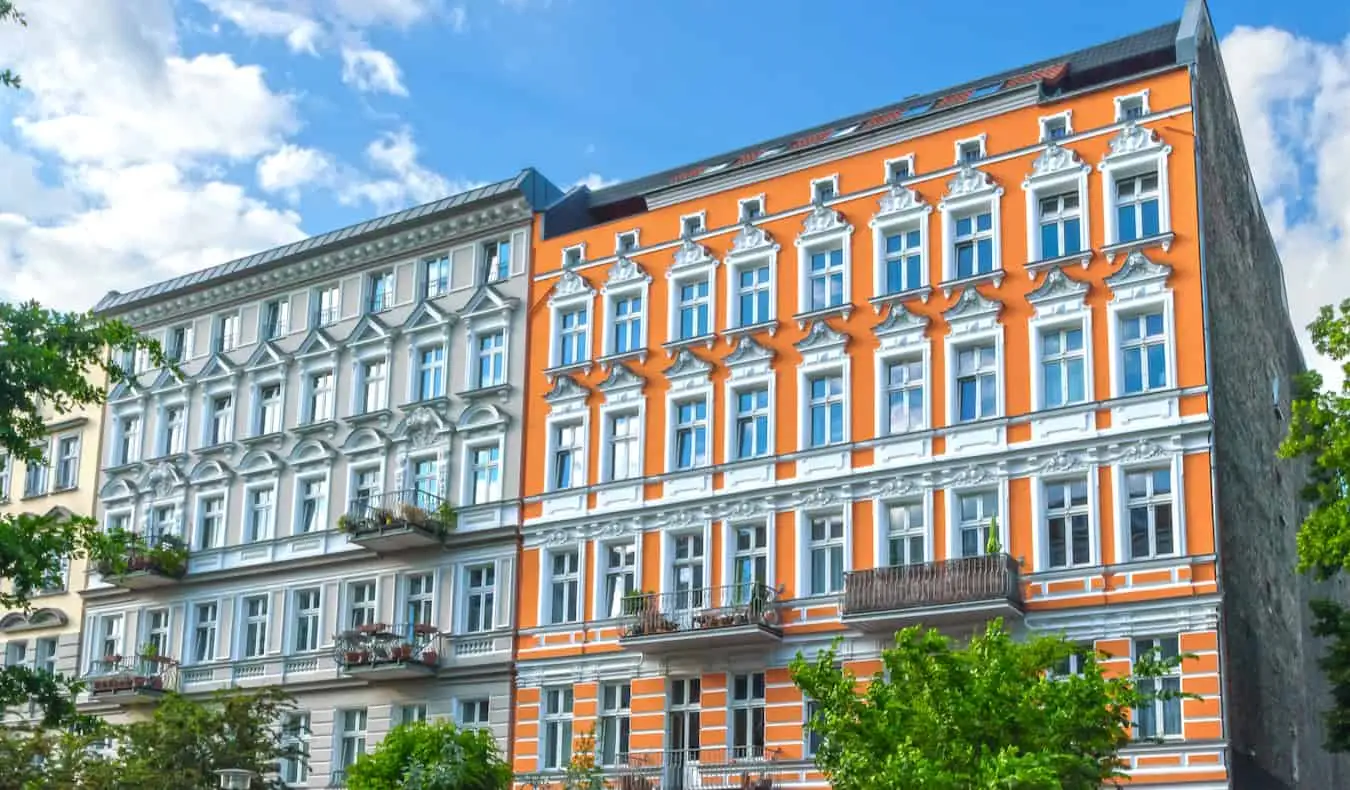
pixel 744 470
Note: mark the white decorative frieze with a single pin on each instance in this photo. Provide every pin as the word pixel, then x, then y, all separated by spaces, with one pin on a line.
pixel 688 370
pixel 1056 160
pixel 421 428
pixel 625 271
pixel 1133 139
pixel 1059 294
pixel 691 254
pixel 901 328
pixel 622 386
pixel 973 312
pixel 900 200
pixel 969 182
pixel 822 220
pixel 1139 277
pixel 569 286
pixel 752 238
pixel 823 343
pixel 750 358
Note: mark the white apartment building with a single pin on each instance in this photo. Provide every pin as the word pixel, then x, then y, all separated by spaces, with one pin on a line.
pixel 339 462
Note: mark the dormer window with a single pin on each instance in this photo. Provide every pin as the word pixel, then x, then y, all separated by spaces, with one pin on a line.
pixel 751 209
pixel 691 224
pixel 626 242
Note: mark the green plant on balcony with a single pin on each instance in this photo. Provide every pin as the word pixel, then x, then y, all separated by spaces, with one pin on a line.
pixel 992 545
pixel 413 515
pixel 169 556
pixel 635 602
pixel 446 515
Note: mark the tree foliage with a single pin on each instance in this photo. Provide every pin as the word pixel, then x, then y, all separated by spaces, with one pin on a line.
pixel 8 13
pixel 1319 434
pixel 988 715
pixel 432 756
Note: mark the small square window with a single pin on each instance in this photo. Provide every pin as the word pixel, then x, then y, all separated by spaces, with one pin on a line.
pixel 969 151
pixel 751 209
pixel 822 190
pixel 1055 128
pixel 627 242
pixel 897 170
pixel 692 224
pixel 571 257
pixel 1132 107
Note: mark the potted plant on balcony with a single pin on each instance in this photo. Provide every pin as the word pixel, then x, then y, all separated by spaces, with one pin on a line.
pixel 424 629
pixel 992 546
pixel 372 628
pixel 382 517
pixel 413 515
pixel 430 657
pixel 401 652
pixel 446 516
pixel 635 602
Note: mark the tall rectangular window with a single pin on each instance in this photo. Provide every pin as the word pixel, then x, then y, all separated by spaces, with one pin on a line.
pixel 749 561
pixel 904 396
pixel 1063 367
pixel 255 626
pixel 295 732
pixel 569 452
pixel 176 344
pixel 974 244
pixel 353 736
pixel 261 509
pixel 321 397
pixel 437 276
pixel 486 463
pixel 381 292
pixel 328 306
pixel 752 422
pixel 1158 718
pixel 44 654
pixel 480 589
pixel 687 569
pixel 976 383
pixel 313 504
pixel 827 410
pixel 691 434
pixel 227 333
pixel 693 309
pixel 825 286
pixel 747 715
pixel 557 751
pixel 620 577
pixel 108 640
pixel 204 632
pixel 573 337
pixel 67 462
pixel 753 287
pixel 616 723
pixel 496 260
pixel 475 714
pixel 222 419
pixel 174 431
pixel 426 475
pixel 977 512
pixel 1137 207
pixel 905 533
pixel 625 451
pixel 375 389
pixel 157 631
pixel 269 409
pixel 16 653
pixel 627 324
pixel 1061 225
pixel 1066 523
pixel 129 440
pixel 1143 352
pixel 361 604
pixel 431 373
pixel 6 465
pixel 210 521
pixel 276 318
pixel 904 261
pixel 826 554
pixel 684 721
pixel 307 611
pixel 35 476
pixel 565 587
pixel 420 598
pixel 365 486
pixel 1149 500
pixel 492 359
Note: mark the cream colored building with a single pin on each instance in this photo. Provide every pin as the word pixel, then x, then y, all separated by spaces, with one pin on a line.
pixel 48 635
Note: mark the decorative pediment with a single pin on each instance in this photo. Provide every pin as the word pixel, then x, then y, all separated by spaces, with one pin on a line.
pixel 901 320
pixel 621 377
pixel 571 286
pixel 1057 293
pixel 426 316
pixel 1055 159
pixel 972 312
pixel 217 367
pixel 487 301
pixel 48 617
pixel 161 479
pixel 421 428
pixel 969 182
pixel 1138 277
pixel 691 253
pixel 824 219
pixel 266 355
pixel 566 388
pixel 167 380
pixel 820 336
pixel 688 365
pixel 752 238
pixel 370 329
pixel 127 389
pixel 625 271
pixel 310 451
pixel 316 343
pixel 257 462
pixel 116 488
pixel 209 471
pixel 365 440
pixel 899 200
pixel 481 417
pixel 747 352
pixel 1133 139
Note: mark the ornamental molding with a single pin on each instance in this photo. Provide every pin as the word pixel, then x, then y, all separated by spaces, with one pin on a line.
pixel 570 286
pixel 1055 160
pixel 690 254
pixel 901 320
pixel 899 201
pixel 1134 139
pixel 1138 277
pixel 822 336
pixel 688 365
pixel 972 312
pixel 1058 294
pixel 625 271
pixel 752 239
pixel 748 351
pixel 969 183
pixel 823 220
pixel 566 388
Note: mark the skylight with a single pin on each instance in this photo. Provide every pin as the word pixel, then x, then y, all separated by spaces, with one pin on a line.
pixel 985 90
pixel 917 109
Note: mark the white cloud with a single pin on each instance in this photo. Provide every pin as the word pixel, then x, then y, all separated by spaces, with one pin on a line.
pixel 401 181
pixel 301 33
pixel 371 71
pixel 459 19
pixel 1293 100
pixel 400 13
pixel 594 181
pixel 291 167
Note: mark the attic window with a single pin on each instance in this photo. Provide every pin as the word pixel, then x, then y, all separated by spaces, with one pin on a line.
pixel 751 209
pixel 969 151
pixel 1129 108
pixel 898 170
pixel 1055 127
pixel 571 257
pixel 823 189
pixel 917 109
pixel 627 242
pixel 986 90
pixel 691 224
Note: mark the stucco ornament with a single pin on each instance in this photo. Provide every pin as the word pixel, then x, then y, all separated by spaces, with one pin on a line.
pixel 422 427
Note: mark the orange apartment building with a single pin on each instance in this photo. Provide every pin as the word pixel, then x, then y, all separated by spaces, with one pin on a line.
pixel 782 395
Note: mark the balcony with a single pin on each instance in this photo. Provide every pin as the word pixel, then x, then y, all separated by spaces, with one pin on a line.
pixel 707 618
pixel 949 592
pixel 152 560
pixel 398 521
pixel 380 652
pixel 138 680
pixel 706 768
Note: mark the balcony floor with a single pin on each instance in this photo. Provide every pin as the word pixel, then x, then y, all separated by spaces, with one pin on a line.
pixel 940 616
pixel 394 539
pixel 392 670
pixel 695 639
pixel 141 580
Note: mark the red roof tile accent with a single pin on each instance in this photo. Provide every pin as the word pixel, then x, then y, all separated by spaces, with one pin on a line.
pixel 878 120
pixel 686 175
pixel 811 139
pixel 955 98
pixel 1047 74
pixel 747 157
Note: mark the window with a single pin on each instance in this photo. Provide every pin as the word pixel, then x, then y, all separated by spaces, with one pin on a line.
pixel 44 654
pixel 572 257
pixel 227 332
pixel 276 318
pixel 119 522
pixel 431 373
pixel 620 577
pixel 204 632
pixel 1137 207
pixel 222 419
pixel 626 242
pixel 157 631
pixel 904 261
pixel 255 626
pixel 573 338
pixel 683 716
pixel 353 742
pixel 905 533
pixel 752 422
pixel 109 640
pixel 163 521
pixel 1130 108
pixel 977 512
pixel 751 209
pixel 826 281
pixel 1149 495
pixel 1061 227
pixel 691 434
pixel 176 344
pixel 827 410
pixel 624 454
pixel 747 715
pixel 129 440
pixel 381 292
pixel 1066 523
pixel 904 396
pixel 496 260
pixel 569 453
pixel 269 409
pixel 174 431
pixel 557 751
pixel 307 610
pixel 976 383
pixel 1158 718
pixel 35 477
pixel 750 561
pixel 295 732
pixel 627 324
pixel 365 486
pixel 687 571
pixel 261 505
pixel 1143 352
pixel 969 151
pixel 487 474
pixel 480 583
pixel 6 464
pixel 360 604
pixel 474 714
pixel 16 653
pixel 814 739
pixel 210 521
pixel 974 244
pixel 1063 363
pixel 313 505
pixel 898 170
pixel 691 225
pixel 753 286
pixel 693 309
pixel 492 359
pixel 565 603
pixel 437 276
pixel 321 396
pixel 427 477
pixel 420 600
pixel 1055 128
pixel 67 462
pixel 55 580
pixel 328 307
pixel 827 554
pixel 616 725
pixel 822 190
pixel 375 390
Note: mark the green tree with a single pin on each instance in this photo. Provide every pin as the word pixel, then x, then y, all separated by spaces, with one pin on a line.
pixel 992 714
pixel 46 359
pixel 8 13
pixel 1319 434
pixel 432 756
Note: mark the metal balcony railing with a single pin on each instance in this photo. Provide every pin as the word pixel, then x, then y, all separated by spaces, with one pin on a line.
pixel 749 767
pixel 701 608
pixel 943 583
pixel 396 510
pixel 114 674
pixel 155 552
pixel 382 644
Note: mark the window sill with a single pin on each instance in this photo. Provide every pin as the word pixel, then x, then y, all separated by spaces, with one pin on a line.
pixel 381 417
pixel 499 391
pixel 769 327
pixel 802 319
pixel 706 341
pixel 273 438
pixel 1162 240
pixel 610 360
pixel 35 495
pixel 995 277
pixel 438 403
pixel 921 293
pixel 1082 258
pixel 170 457
pixel 219 448
pixel 328 426
pixel 65 489
pixel 125 466
pixel 562 370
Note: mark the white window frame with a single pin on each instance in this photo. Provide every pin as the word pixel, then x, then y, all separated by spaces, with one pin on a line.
pixel 901 339
pixel 321 316
pixel 486 592
pixel 469 494
pixel 581 303
pixel 883 531
pixel 294 613
pixel 1174 675
pixel 390 296
pixel 124 452
pixel 256 419
pixel 61 460
pixel 1041 535
pixel 476 356
pixel 619 236
pixel 311 392
pixel 699 594
pixel 973 321
pixel 952 504
pixel 600 607
pixel 248 513
pixel 323 513
pixel 806 546
pixel 805 377
pixel 1119 102
pixel 637 455
pixel 971 192
pixel 730 532
pixel 284 322
pixel 734 389
pixel 1140 286
pixel 741 203
pixel 351 738
pixel 195 622
pixel 566 253
pixel 622 283
pixel 580 462
pixel 701 217
pixel 223 342
pixel 562 720
pixel 888 173
pixel 369 607
pixel 1059 304
pixel 212 413
pixel 416 350
pixel 361 381
pixel 750 256
pixel 673 402
pixel 1057 171
pixel 691 274
pixel 825 241
pixel 546 580
pixel 425 280
pixel 245 620
pixel 902 210
pixel 833 180
pixel 1043 123
pixel 1135 150
pixel 216 492
pixel 979 141
pixel 1121 498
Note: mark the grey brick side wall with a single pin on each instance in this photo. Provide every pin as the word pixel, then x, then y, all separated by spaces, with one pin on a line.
pixel 1274 690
